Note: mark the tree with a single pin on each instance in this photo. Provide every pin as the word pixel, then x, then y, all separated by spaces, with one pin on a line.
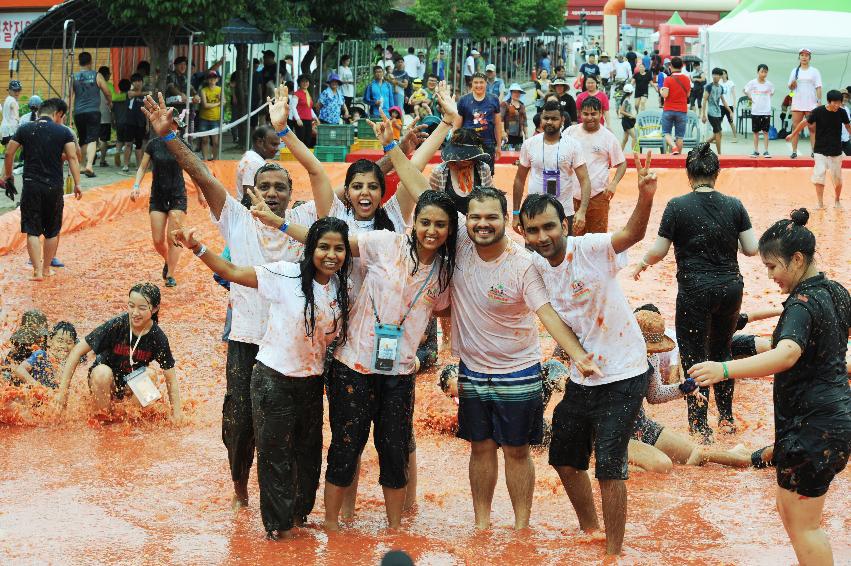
pixel 484 19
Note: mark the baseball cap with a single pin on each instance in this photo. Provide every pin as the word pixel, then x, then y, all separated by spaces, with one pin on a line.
pixel 334 77
pixel 516 86
pixel 628 88
pixel 474 52
pixel 804 50
pixel 418 81
pixel 491 67
pixel 15 85
pixel 34 102
pixel 604 54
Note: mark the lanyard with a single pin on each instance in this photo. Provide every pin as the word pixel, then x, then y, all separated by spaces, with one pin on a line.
pixel 416 297
pixel 132 347
pixel 543 154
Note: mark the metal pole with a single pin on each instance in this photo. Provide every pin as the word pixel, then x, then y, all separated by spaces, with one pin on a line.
pixel 277 61
pixel 189 84
pixel 250 93
pixel 50 69
pixel 221 108
pixel 65 65
pixel 318 86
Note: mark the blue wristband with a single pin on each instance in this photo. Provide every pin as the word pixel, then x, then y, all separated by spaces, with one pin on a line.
pixel 688 386
pixel 284 226
pixel 172 135
pixel 284 132
pixel 390 146
pixel 515 213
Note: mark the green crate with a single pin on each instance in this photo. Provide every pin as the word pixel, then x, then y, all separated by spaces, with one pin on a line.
pixel 331 153
pixel 342 135
pixel 365 131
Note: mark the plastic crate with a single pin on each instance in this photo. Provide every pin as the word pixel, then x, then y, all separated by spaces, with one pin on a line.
pixel 365 130
pixel 286 155
pixel 327 153
pixel 367 144
pixel 341 135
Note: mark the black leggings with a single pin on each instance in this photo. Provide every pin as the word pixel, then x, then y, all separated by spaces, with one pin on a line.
pixel 237 426
pixel 706 321
pixel 287 415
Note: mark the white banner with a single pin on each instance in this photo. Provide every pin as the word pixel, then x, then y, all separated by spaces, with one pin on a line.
pixel 13 23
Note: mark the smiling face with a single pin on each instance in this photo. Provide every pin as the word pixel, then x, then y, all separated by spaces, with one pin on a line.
pixel 364 192
pixel 485 222
pixel 478 86
pixel 275 190
pixel 786 275
pixel 60 344
pixel 590 119
pixel 329 255
pixel 378 73
pixel 431 228
pixel 140 311
pixel 591 85
pixel 545 233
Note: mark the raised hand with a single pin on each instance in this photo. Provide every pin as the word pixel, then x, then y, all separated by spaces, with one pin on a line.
pixel 185 238
pixel 415 136
pixel 383 129
pixel 159 115
pixel 261 211
pixel 646 177
pixel 445 101
pixel 279 107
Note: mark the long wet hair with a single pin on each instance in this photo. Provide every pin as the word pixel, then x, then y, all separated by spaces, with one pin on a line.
pixel 702 163
pixel 308 272
pixel 381 219
pixel 787 236
pixel 152 294
pixel 446 252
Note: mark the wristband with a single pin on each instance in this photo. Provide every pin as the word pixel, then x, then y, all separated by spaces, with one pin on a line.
pixel 172 135
pixel 688 386
pixel 200 251
pixel 515 213
pixel 284 132
pixel 447 123
pixel 284 226
pixel 390 146
pixel 726 371
pixel 135 186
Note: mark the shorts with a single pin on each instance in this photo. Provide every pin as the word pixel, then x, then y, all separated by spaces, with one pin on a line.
pixel 132 133
pixel 5 140
pixel 627 123
pixel 41 209
pixel 676 121
pixel 169 201
pixel 825 164
pixel 743 346
pixel 205 125
pixel 356 401
pixel 727 113
pixel 105 132
pixel 120 388
pixel 715 122
pixel 506 408
pixel 760 123
pixel 601 417
pixel 646 430
pixel 810 455
pixel 88 127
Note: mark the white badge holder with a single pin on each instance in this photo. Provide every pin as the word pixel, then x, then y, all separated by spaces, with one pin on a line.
pixel 142 386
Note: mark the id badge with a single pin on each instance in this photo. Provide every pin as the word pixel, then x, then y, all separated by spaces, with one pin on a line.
pixel 142 386
pixel 388 341
pixel 552 182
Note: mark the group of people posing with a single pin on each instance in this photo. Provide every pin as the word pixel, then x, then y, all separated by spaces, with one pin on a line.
pixel 336 295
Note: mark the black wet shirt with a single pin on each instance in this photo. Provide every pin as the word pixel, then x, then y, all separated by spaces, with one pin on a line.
pixel 829 126
pixel 44 143
pixel 816 316
pixel 168 176
pixel 704 228
pixel 111 343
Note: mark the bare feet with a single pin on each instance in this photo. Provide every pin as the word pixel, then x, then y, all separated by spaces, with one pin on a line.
pixel 594 536
pixel 837 204
pixel 240 495
pixel 50 272
pixel 331 526
pixel 483 526
pixel 726 427
pixel 820 206
pixel 36 277
pixel 697 457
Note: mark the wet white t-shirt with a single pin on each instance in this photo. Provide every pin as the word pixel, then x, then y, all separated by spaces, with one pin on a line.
pixel 248 165
pixel 585 293
pixel 11 119
pixel 494 327
pixel 386 259
pixel 805 97
pixel 601 151
pixel 286 347
pixel 253 243
pixel 538 156
pixel 760 94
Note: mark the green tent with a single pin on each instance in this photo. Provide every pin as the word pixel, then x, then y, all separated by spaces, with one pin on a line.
pixel 675 20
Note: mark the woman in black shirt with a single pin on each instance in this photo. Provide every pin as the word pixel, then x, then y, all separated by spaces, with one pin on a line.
pixel 812 399
pixel 121 345
pixel 706 228
pixel 167 207
pixel 641 80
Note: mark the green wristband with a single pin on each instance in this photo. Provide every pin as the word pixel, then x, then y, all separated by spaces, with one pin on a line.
pixel 726 371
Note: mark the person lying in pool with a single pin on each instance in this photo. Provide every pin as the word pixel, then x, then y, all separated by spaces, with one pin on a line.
pixel 43 365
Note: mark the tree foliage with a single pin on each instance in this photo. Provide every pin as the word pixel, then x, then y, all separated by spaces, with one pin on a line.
pixel 484 19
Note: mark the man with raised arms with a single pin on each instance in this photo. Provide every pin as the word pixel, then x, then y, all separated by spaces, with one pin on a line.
pixel 598 410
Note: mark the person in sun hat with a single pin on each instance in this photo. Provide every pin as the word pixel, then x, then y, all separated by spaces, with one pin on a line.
pixel 566 101
pixel 514 120
pixel 331 103
pixel 464 166
pixel 28 337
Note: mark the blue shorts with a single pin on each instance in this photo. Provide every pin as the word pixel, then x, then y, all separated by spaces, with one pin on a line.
pixel 507 408
pixel 206 125
pixel 672 119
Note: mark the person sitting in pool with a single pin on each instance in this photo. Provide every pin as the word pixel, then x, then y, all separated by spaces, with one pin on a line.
pixel 42 366
pixel 27 338
pixel 121 345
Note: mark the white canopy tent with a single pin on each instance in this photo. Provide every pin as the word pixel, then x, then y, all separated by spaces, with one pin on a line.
pixel 772 32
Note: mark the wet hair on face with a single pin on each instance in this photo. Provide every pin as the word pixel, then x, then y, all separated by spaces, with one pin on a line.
pixel 702 163
pixel 152 294
pixel 65 326
pixel 446 252
pixel 788 236
pixel 481 194
pixel 592 103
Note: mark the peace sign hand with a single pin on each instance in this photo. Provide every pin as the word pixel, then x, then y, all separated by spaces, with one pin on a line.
pixel 279 107
pixel 261 211
pixel 646 177
pixel 159 115
pixel 446 102
pixel 383 129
